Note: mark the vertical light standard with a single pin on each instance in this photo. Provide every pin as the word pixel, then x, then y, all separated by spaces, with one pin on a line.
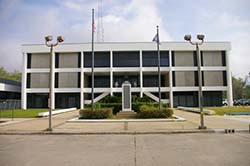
pixel 51 45
pixel 200 98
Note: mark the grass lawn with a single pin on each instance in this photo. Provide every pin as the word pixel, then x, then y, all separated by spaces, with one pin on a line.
pixel 18 113
pixel 227 110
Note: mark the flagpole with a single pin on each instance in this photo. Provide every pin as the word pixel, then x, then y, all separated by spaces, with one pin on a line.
pixel 159 70
pixel 93 62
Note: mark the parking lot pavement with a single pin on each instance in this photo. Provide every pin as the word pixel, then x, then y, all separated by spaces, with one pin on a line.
pixel 126 150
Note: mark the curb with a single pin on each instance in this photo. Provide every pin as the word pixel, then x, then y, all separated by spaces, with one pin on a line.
pixel 110 133
pixel 77 120
pixel 194 131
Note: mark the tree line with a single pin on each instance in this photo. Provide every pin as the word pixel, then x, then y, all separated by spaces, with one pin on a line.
pixel 241 89
pixel 15 76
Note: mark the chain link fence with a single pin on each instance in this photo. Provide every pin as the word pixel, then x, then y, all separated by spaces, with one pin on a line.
pixel 10 104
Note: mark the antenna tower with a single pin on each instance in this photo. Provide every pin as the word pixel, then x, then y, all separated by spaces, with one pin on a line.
pixel 100 29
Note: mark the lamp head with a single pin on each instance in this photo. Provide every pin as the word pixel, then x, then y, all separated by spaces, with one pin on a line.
pixel 48 38
pixel 60 39
pixel 188 37
pixel 200 37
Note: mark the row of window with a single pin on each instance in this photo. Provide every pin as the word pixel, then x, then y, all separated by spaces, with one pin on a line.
pixel 68 100
pixel 127 59
pixel 180 79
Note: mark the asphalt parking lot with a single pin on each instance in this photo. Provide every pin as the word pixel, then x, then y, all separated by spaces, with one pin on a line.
pixel 215 149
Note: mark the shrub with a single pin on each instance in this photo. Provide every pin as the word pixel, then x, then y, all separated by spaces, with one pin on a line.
pixel 153 112
pixel 101 113
pixel 115 107
pixel 111 99
pixel 144 99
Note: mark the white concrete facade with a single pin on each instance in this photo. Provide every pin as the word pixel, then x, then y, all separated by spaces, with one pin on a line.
pixel 125 46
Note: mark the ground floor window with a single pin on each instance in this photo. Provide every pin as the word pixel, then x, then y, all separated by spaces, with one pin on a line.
pixel 187 99
pixel 67 100
pixel 213 98
pixel 37 100
pixel 190 99
pixel 9 95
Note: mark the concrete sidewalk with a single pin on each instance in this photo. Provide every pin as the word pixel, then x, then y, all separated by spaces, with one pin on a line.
pixel 191 124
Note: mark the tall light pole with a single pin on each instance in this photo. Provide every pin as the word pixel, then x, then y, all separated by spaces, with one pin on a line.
pixel 200 98
pixel 51 45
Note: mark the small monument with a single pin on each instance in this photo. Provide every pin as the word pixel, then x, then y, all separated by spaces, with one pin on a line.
pixel 126 96
pixel 126 111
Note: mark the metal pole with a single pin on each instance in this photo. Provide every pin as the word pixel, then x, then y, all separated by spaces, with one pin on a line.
pixel 12 114
pixel 159 70
pixel 1 114
pixel 93 63
pixel 200 96
pixel 51 86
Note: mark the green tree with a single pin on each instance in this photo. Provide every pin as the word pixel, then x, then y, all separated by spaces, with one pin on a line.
pixel 246 92
pixel 238 87
pixel 16 75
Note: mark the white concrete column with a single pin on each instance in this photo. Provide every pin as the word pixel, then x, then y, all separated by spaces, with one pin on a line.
pixel 24 82
pixel 141 75
pixel 82 82
pixel 111 73
pixel 229 81
pixel 53 80
pixel 171 99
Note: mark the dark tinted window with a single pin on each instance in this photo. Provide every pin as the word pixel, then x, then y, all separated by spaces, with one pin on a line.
pixel 37 100
pixel 126 59
pixel 152 80
pixel 150 58
pixel 133 79
pixel 102 59
pixel 100 81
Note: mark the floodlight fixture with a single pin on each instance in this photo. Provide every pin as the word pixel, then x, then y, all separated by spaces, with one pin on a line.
pixel 200 37
pixel 187 37
pixel 60 39
pixel 48 38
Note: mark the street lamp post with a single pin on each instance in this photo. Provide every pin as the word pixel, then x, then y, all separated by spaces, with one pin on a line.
pixel 200 98
pixel 51 45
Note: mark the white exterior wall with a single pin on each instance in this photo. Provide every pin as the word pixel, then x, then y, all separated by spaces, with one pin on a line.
pixel 229 81
pixel 143 46
pixel 24 80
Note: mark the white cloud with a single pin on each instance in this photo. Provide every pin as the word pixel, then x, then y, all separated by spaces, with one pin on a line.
pixel 237 31
pixel 135 21
pixel 111 19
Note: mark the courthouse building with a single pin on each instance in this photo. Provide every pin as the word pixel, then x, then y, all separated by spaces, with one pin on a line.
pixel 117 62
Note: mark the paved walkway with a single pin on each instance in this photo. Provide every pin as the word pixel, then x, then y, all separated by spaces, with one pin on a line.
pixel 126 150
pixel 192 122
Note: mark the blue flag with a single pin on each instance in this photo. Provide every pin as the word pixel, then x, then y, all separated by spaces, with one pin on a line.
pixel 156 38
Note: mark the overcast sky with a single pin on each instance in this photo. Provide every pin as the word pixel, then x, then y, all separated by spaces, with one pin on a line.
pixel 28 21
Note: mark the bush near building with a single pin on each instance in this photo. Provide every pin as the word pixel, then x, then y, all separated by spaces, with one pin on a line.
pixel 153 112
pixel 145 107
pixel 97 113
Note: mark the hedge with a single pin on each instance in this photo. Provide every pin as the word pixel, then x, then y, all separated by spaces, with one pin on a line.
pixel 153 112
pixel 101 113
pixel 116 107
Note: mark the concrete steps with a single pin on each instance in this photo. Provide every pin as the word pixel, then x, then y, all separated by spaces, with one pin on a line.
pixel 126 115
